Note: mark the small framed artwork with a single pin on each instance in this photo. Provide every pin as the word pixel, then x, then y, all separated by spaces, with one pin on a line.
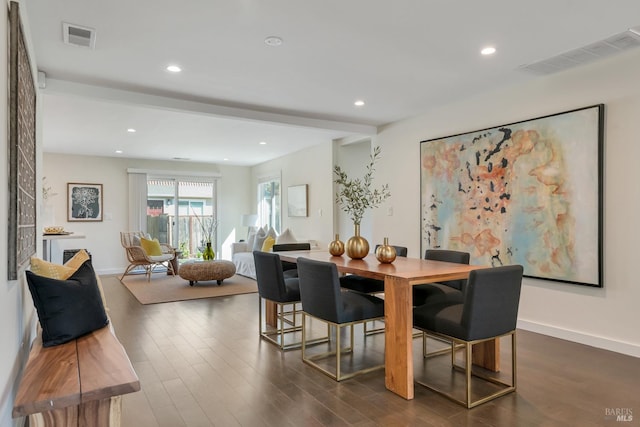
pixel 297 200
pixel 84 202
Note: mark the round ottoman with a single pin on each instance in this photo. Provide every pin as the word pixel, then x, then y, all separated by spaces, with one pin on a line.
pixel 207 270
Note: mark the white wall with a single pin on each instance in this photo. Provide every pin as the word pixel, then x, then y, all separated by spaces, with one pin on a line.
pixel 103 238
pixel 310 166
pixel 353 159
pixel 607 317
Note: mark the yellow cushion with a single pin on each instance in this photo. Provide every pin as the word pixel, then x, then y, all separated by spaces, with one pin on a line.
pixel 57 271
pixel 51 270
pixel 151 247
pixel 268 244
pixel 78 259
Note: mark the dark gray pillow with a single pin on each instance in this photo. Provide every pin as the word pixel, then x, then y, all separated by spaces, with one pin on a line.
pixel 67 309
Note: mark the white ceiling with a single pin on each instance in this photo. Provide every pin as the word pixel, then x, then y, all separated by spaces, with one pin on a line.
pixel 402 57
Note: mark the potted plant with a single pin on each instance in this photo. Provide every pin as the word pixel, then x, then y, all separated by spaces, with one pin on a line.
pixel 208 225
pixel 355 196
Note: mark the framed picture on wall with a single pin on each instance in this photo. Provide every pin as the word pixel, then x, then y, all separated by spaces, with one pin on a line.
pixel 297 200
pixel 526 193
pixel 84 202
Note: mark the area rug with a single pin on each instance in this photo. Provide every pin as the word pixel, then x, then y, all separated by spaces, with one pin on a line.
pixel 164 288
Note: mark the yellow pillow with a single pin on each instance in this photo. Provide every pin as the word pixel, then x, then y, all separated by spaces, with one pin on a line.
pixel 77 260
pixel 57 271
pixel 51 270
pixel 151 247
pixel 268 244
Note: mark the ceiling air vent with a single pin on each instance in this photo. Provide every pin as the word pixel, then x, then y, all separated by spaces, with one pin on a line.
pixel 77 35
pixel 610 46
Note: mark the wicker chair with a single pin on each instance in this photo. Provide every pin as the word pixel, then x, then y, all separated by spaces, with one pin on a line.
pixel 137 257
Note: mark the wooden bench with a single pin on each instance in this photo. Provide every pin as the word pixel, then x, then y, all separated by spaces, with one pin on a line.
pixel 79 383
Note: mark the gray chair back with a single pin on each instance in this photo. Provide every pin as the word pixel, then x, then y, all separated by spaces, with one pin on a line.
pixel 320 289
pixel 282 247
pixel 449 256
pixel 269 276
pixel 491 302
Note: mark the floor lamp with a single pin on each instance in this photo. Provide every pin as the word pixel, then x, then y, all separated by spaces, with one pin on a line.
pixel 249 221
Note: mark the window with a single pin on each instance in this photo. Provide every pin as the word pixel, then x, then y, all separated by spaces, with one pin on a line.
pixel 172 206
pixel 269 203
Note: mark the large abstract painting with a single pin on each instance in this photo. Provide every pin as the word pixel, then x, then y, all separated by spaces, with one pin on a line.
pixel 526 193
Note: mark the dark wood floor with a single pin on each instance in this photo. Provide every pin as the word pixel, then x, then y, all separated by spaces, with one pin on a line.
pixel 201 363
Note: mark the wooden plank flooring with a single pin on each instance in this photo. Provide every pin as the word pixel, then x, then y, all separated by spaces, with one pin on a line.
pixel 201 363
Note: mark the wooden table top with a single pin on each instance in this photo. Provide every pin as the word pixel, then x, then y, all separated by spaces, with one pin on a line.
pixel 414 270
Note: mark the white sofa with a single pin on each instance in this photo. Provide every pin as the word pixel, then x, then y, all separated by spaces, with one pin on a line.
pixel 242 257
pixel 242 252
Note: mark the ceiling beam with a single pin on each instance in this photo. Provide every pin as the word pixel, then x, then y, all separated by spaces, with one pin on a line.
pixel 65 87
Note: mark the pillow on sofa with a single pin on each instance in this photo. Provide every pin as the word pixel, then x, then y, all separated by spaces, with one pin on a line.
pixel 271 232
pixel 268 244
pixel 151 247
pixel 286 237
pixel 251 238
pixel 67 309
pixel 259 240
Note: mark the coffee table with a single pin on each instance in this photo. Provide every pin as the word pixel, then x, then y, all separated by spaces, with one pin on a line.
pixel 198 271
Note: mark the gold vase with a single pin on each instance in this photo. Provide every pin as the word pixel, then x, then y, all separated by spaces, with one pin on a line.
pixel 386 253
pixel 336 248
pixel 357 246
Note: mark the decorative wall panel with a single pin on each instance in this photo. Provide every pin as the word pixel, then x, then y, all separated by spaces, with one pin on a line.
pixel 22 150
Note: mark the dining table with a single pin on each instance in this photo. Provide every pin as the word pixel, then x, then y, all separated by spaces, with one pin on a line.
pixel 399 278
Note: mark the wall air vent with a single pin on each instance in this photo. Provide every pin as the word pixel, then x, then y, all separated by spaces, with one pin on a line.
pixel 610 46
pixel 77 35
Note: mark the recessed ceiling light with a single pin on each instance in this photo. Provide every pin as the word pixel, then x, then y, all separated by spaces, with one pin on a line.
pixel 225 159
pixel 174 68
pixel 131 130
pixel 358 103
pixel 263 143
pixel 273 41
pixel 490 50
pixel 118 151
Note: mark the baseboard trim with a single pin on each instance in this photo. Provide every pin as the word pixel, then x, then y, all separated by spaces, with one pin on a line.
pixel 108 271
pixel 582 338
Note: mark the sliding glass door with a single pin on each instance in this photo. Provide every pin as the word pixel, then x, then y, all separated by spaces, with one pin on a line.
pixel 176 206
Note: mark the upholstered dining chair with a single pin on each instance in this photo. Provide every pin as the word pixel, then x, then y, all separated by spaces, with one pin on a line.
pixel 137 256
pixel 488 311
pixel 290 268
pixel 452 289
pixel 284 293
pixel 449 292
pixel 323 299
pixel 367 285
pixel 364 284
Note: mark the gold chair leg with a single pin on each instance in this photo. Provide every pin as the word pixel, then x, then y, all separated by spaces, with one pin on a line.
pixel 280 328
pixel 337 353
pixel 467 371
